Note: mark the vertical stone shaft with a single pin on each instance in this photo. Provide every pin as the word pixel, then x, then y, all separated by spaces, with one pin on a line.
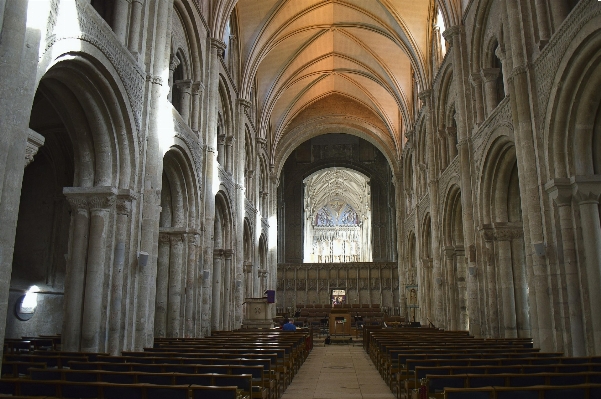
pixel 477 83
pixel 227 290
pixel 162 290
pixel 19 54
pixel 149 233
pixel 561 193
pixel 189 308
pixel 591 234
pixel 100 211
pixel 135 25
pixel 452 287
pixel 120 19
pixel 507 289
pixel 174 304
pixel 456 35
pixel 528 176
pixel 122 227
pixel 209 198
pixel 75 274
pixel 217 288
pixel 492 294
pixel 490 76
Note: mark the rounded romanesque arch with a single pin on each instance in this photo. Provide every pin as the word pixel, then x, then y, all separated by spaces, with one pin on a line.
pixel 75 216
pixel 176 294
pixel 455 269
pixel 222 313
pixel 502 234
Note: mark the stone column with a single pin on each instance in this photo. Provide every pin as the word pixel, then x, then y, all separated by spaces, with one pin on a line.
pixel 216 49
pixel 560 191
pixel 445 157
pixel 190 305
pixel 174 305
pixel 456 35
pixel 75 273
pixel 162 290
pixel 173 63
pixel 461 289
pixel 185 87
pixel 229 154
pixel 543 330
pixel 135 26
pixel 122 230
pixel 101 204
pixel 503 237
pixel 489 76
pixel 452 286
pixel 451 137
pixel 426 97
pixel 227 289
pixel 216 318
pixel 476 80
pixel 121 17
pixel 248 278
pixel 587 197
pixel 491 281
pixel 197 90
pixel 542 19
pixel 157 90
pixel 559 11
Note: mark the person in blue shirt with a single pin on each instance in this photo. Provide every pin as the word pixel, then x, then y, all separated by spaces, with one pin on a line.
pixel 288 325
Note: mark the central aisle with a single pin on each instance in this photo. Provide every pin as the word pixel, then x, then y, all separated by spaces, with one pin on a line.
pixel 338 371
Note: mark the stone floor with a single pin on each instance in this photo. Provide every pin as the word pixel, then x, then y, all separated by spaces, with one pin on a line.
pixel 338 371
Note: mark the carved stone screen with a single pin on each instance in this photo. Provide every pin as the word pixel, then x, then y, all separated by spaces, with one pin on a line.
pixel 337 217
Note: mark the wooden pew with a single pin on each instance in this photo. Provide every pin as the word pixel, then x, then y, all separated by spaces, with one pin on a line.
pixel 584 391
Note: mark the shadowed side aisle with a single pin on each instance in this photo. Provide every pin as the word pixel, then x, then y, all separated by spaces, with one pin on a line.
pixel 338 371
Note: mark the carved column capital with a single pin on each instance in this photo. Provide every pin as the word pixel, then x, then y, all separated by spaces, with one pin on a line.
pixel 245 104
pixel 164 238
pixel 173 63
pixel 560 191
pixel 34 142
pixel 452 32
pixel 184 85
pixel 78 203
pixel 219 46
pixel 176 238
pixel 218 253
pixel 449 252
pixel 490 74
pixel 476 79
pixel 228 253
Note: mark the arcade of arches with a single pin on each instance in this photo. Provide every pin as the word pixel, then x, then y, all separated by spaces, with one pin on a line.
pixel 161 161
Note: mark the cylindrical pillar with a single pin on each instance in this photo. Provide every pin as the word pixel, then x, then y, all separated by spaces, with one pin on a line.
pixel 122 227
pixel 216 317
pixel 542 19
pixel 564 206
pixel 160 311
pixel 185 92
pixel 227 289
pixel 491 292
pixel 190 305
pixel 476 80
pixel 135 26
pixel 559 11
pixel 174 306
pixel 452 286
pixel 75 273
pixel 507 289
pixel 489 76
pixel 591 235
pixel 197 89
pixel 100 209
pixel 120 19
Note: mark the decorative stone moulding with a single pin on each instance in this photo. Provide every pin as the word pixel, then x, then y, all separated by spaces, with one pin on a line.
pixel 34 142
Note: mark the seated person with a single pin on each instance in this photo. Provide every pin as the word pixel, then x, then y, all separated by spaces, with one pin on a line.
pixel 288 325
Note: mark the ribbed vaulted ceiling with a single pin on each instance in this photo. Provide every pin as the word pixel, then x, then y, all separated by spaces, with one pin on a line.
pixel 302 51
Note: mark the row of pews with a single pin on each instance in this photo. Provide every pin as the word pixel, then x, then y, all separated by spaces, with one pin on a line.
pixel 243 364
pixel 427 362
